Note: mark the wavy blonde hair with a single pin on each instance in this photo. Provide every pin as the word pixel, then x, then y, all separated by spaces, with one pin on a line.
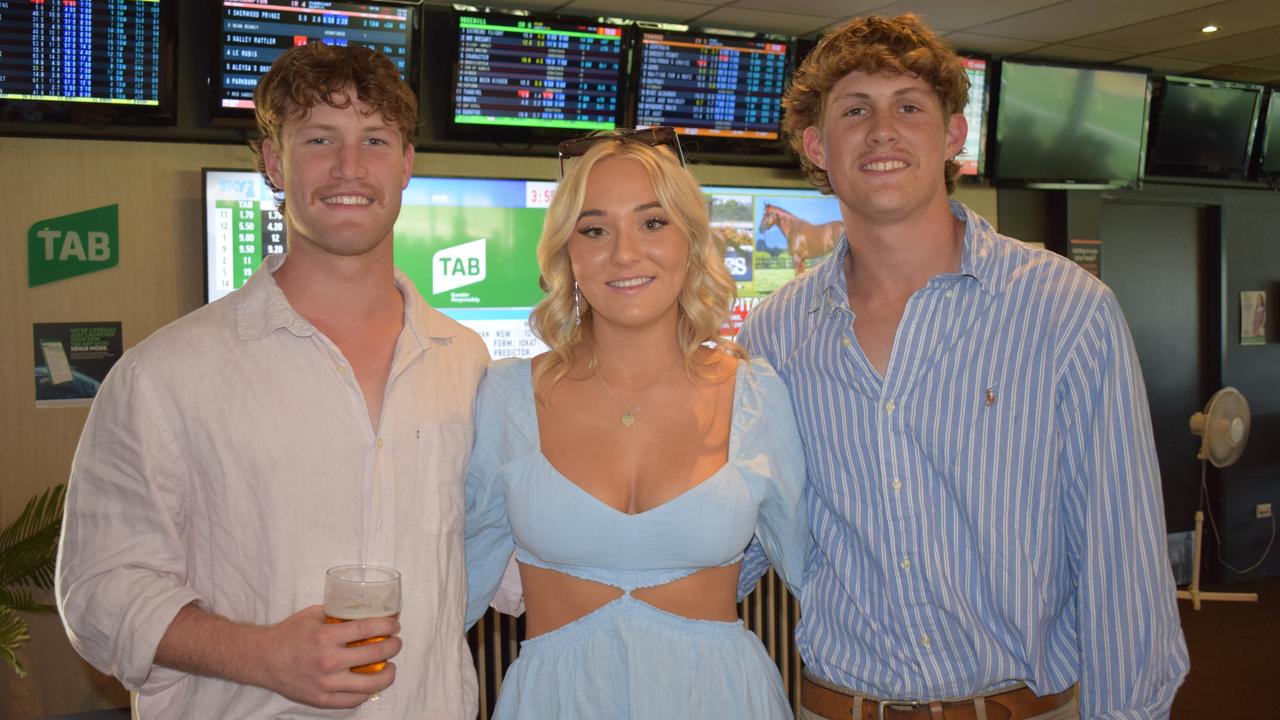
pixel 708 292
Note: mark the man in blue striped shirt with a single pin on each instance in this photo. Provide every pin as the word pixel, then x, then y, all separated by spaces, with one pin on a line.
pixel 985 498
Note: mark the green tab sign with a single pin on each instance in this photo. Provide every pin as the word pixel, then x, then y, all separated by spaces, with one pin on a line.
pixel 75 244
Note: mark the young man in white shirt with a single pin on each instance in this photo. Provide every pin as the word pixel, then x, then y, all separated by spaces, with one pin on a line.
pixel 320 415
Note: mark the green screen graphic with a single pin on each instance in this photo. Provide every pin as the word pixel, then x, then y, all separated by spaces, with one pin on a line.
pixel 71 245
pixel 425 233
pixel 470 245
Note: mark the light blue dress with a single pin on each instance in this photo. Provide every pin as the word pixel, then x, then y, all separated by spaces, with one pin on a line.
pixel 628 659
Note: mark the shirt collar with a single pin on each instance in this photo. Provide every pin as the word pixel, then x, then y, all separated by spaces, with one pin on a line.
pixel 977 260
pixel 262 308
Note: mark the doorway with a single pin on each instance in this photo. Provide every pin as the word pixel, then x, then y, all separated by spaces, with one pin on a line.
pixel 1162 261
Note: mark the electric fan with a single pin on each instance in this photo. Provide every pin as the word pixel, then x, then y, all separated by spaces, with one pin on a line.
pixel 1223 428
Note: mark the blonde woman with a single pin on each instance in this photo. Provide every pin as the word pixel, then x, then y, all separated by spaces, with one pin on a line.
pixel 630 466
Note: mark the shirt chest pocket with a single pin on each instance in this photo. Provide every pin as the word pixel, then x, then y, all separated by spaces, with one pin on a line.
pixel 442 452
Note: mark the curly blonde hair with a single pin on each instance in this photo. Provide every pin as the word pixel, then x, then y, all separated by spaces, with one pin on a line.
pixel 872 45
pixel 708 292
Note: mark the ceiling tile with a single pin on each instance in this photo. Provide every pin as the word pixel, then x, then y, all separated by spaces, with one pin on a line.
pixel 989 45
pixel 821 8
pixel 530 5
pixel 1162 65
pixel 1240 73
pixel 764 21
pixel 1076 18
pixel 1078 54
pixel 657 10
pixel 944 15
pixel 1272 62
pixel 1183 29
pixel 1228 50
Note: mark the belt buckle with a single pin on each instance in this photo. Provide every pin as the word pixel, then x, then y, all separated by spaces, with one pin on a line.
pixel 883 705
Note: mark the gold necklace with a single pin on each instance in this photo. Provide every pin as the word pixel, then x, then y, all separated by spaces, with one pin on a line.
pixel 629 416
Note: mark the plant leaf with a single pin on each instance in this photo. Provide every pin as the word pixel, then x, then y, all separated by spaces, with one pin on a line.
pixel 13 632
pixel 29 545
pixel 22 600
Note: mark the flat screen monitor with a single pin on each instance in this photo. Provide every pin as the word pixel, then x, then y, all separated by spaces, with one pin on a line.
pixel 1204 128
pixel 1269 161
pixel 715 86
pixel 253 33
pixel 1069 126
pixel 93 63
pixel 470 245
pixel 973 157
pixel 526 74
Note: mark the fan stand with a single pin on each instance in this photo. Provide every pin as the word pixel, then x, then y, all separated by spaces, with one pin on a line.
pixel 1193 592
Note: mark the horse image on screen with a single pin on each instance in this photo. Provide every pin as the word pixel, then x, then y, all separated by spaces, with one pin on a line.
pixel 805 240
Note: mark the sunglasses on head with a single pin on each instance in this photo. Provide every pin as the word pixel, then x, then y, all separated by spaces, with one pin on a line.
pixel 653 137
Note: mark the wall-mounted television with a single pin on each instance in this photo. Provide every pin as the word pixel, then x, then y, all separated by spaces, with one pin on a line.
pixel 1269 155
pixel 103 63
pixel 973 158
pixel 1069 126
pixel 253 33
pixel 469 245
pixel 1204 128
pixel 526 77
pixel 711 85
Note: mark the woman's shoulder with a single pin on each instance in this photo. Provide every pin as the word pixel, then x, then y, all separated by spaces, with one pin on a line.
pixel 511 367
pixel 504 407
pixel 504 377
pixel 759 376
pixel 762 402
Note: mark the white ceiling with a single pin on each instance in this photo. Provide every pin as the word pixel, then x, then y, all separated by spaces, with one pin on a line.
pixel 1161 35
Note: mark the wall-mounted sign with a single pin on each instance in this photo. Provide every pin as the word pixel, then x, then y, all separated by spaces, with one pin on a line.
pixel 1253 317
pixel 72 360
pixel 1087 254
pixel 71 245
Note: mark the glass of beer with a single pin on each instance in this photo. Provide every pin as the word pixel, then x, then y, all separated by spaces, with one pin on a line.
pixel 355 592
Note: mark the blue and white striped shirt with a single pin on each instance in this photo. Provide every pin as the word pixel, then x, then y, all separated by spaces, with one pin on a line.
pixel 990 510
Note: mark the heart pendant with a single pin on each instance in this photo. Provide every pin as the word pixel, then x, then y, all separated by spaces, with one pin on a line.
pixel 627 419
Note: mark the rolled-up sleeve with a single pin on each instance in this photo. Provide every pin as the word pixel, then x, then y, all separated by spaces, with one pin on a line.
pixel 1133 656
pixel 122 568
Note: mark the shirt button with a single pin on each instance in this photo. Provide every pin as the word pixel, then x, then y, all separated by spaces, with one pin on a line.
pixel 847 342
pixel 950 293
pixel 889 407
pixel 906 564
pixel 897 485
pixel 380 443
pixel 925 641
pixel 342 369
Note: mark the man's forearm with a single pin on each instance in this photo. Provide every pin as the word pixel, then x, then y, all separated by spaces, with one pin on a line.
pixel 301 657
pixel 202 643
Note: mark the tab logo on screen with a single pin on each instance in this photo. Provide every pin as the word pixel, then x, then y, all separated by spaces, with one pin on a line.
pixel 75 244
pixel 458 266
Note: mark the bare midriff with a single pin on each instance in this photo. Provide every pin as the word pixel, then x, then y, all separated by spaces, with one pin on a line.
pixel 553 599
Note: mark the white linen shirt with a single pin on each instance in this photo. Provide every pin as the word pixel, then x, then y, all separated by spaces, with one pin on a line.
pixel 229 460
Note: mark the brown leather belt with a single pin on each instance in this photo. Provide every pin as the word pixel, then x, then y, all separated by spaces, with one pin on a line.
pixel 1016 704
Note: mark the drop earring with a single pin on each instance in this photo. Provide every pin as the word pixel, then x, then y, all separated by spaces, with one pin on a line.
pixel 577 304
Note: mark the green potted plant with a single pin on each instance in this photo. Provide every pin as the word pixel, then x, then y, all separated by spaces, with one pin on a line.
pixel 28 552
